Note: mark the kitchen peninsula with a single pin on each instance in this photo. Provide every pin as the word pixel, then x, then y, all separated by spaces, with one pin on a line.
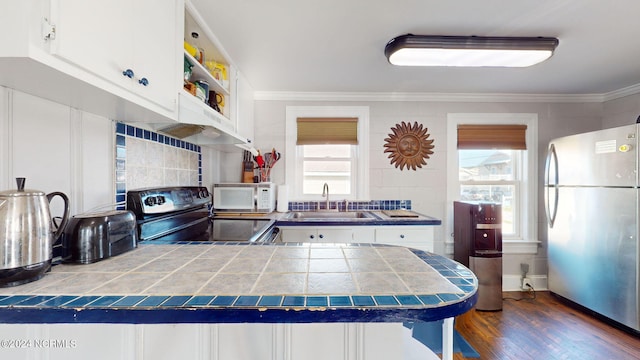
pixel 230 283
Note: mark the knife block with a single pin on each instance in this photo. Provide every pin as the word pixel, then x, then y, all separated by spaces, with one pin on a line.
pixel 247 172
pixel 247 177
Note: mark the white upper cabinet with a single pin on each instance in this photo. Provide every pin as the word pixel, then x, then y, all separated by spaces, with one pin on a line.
pixel 74 53
pixel 124 60
pixel 130 43
pixel 210 64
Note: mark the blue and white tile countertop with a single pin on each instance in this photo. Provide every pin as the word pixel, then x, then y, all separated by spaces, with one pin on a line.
pixel 205 282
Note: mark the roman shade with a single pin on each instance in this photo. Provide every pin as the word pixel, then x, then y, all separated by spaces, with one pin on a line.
pixel 319 131
pixel 492 137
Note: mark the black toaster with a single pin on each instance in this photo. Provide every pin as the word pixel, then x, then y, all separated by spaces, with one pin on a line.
pixel 92 237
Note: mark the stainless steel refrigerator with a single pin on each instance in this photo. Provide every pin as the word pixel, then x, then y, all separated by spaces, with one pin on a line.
pixel 592 206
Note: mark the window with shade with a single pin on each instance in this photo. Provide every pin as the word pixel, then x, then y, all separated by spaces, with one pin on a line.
pixel 327 144
pixel 327 149
pixel 490 169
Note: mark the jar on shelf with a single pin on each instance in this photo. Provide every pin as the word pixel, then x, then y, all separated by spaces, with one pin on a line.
pixel 196 43
pixel 202 90
pixel 191 49
pixel 188 70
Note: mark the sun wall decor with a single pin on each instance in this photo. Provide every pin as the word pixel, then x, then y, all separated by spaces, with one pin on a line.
pixel 409 146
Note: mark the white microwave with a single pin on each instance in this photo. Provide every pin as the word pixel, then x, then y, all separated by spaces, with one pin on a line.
pixel 244 197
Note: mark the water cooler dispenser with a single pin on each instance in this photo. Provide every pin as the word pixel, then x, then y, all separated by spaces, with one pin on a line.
pixel 477 244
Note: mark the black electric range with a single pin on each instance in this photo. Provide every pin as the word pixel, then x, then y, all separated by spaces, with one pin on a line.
pixel 183 214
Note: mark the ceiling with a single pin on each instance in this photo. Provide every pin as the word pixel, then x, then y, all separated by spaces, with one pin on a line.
pixel 338 45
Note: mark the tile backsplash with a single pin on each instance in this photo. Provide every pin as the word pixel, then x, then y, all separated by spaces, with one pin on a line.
pixel 351 205
pixel 148 159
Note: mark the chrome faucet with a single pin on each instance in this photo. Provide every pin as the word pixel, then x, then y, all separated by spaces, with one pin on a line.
pixel 325 192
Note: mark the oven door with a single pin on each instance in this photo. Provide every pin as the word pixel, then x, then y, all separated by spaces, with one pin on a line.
pixel 175 226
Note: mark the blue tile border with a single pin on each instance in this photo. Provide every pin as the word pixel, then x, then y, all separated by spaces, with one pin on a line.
pixel 251 308
pixel 293 301
pixel 200 300
pixel 363 300
pixel 82 301
pixel 176 301
pixel 270 300
pixel 408 300
pixel 123 130
pixel 154 300
pixel 371 205
pixel 429 299
pixel 12 300
pixel 246 300
pixel 340 300
pixel 35 300
pixel 129 301
pixel 317 301
pixel 105 301
pixel 386 300
pixel 223 301
pixel 59 300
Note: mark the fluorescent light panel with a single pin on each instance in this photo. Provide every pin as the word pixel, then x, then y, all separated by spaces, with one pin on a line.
pixel 471 51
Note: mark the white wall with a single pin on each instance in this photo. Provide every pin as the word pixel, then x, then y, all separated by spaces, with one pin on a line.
pixel 427 187
pixel 58 148
pixel 622 111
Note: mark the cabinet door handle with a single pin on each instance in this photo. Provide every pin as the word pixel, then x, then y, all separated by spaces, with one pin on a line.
pixel 143 82
pixel 128 73
pixel 401 236
pixel 311 236
pixel 321 236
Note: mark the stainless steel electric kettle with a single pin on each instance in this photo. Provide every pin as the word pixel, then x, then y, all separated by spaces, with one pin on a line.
pixel 27 234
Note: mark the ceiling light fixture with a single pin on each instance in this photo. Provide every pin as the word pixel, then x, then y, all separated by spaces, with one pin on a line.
pixel 435 50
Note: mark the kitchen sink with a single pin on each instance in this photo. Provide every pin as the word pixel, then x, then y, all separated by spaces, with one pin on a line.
pixel 331 216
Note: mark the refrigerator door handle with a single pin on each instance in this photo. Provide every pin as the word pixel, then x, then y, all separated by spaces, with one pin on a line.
pixel 552 209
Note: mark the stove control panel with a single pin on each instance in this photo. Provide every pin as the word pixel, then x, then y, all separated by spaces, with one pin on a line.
pixel 167 200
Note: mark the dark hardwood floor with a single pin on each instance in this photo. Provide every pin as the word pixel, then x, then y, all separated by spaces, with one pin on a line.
pixel 544 328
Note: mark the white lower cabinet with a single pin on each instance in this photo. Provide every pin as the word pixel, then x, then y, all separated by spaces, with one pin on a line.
pixel 315 341
pixel 328 234
pixel 298 234
pixel 415 236
pixel 418 237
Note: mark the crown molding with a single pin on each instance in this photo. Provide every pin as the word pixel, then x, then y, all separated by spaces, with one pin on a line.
pixel 444 97
pixel 398 96
pixel 620 93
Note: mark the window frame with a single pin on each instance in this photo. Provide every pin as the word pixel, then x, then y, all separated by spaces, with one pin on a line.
pixel 360 152
pixel 352 159
pixel 517 184
pixel 527 241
